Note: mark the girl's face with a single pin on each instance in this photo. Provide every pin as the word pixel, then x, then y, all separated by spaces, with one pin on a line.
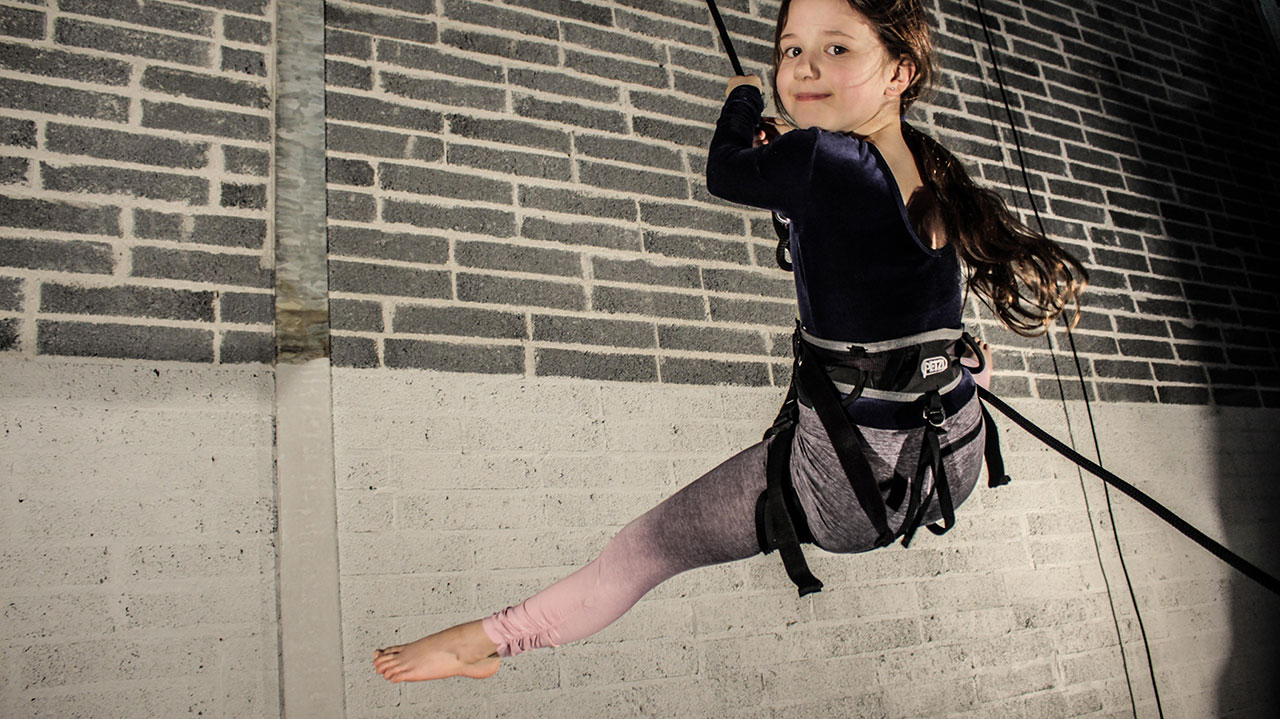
pixel 834 73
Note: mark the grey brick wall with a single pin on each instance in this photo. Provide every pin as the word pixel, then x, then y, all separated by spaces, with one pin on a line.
pixel 538 167
pixel 135 161
pixel 545 160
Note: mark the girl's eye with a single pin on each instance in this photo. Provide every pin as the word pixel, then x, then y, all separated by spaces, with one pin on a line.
pixel 837 50
pixel 791 52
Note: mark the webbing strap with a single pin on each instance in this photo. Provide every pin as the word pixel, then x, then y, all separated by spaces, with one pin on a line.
pixel 931 462
pixel 1245 567
pixel 996 476
pixel 774 527
pixel 945 503
pixel 846 440
pixel 915 510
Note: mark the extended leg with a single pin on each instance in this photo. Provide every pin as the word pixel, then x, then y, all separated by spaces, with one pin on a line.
pixel 710 521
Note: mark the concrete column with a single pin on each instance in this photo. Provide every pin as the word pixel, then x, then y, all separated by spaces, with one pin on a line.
pixel 311 680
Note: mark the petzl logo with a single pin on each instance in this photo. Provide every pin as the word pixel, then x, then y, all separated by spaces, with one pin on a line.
pixel 933 366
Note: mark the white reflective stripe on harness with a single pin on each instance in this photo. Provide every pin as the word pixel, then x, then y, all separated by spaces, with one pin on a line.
pixel 883 346
pixel 895 396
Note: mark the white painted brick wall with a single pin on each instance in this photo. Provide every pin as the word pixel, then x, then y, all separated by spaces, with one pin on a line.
pixel 1007 616
pixel 138 565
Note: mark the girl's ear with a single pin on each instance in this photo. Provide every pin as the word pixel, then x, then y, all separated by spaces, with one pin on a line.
pixel 903 75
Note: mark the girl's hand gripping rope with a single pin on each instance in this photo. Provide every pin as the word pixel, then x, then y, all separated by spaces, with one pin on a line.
pixel 770 127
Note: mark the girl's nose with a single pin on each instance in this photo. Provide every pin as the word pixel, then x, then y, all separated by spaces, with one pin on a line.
pixel 805 69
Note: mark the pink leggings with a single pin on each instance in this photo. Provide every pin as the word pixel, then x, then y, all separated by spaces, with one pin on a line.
pixel 712 520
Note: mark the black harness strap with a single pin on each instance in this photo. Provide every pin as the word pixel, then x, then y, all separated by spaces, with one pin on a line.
pixel 930 461
pixel 995 460
pixel 845 438
pixel 780 522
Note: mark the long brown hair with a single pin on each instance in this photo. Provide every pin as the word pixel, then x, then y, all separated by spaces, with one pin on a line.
pixel 1028 279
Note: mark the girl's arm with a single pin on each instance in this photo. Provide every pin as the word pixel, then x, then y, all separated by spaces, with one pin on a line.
pixel 769 176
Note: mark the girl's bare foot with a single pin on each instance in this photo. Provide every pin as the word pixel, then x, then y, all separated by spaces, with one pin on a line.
pixel 464 650
pixel 983 378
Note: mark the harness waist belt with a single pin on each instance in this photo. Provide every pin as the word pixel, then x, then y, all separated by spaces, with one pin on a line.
pixel 920 367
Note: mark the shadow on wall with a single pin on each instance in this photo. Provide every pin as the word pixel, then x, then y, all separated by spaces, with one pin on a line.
pixel 1202 197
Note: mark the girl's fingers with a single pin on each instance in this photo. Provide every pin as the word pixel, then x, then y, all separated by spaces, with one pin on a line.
pixel 739 80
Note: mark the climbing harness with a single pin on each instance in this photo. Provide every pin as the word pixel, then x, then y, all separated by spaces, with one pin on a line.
pixel 919 370
pixel 822 369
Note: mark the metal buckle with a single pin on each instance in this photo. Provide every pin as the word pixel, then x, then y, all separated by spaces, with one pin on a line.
pixel 933 413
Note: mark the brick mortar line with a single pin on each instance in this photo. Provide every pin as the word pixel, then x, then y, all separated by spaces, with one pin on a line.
pixel 96 281
pixel 541 343
pixel 131 128
pixel 444 21
pixel 446 134
pixel 63 161
pixel 659 352
pixel 167 365
pixel 415 302
pixel 583 250
pixel 216 329
pixel 457 141
pixel 522 213
pixel 138 61
pixel 91 123
pixel 126 242
pixel 628 111
pixel 122 201
pixel 216 13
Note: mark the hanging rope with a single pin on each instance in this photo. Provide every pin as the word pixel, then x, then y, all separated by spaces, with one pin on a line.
pixel 724 37
pixel 1245 567
pixel 1084 391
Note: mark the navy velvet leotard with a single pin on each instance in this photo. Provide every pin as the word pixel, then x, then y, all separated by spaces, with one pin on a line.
pixel 862 274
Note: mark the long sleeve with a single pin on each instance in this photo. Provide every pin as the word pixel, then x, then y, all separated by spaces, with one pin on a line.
pixel 772 176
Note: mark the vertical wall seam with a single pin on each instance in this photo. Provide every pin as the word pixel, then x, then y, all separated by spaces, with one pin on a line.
pixel 308 602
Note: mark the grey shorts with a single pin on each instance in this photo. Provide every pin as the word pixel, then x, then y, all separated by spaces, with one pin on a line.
pixel 835 517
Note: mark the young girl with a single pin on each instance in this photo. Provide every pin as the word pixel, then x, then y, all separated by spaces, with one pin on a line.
pixel 881 217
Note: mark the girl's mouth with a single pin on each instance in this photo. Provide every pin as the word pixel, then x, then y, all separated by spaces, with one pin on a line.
pixel 811 96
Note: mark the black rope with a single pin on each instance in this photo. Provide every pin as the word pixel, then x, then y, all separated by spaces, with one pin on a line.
pixel 724 37
pixel 1142 628
pixel 1115 532
pixel 782 254
pixel 1245 567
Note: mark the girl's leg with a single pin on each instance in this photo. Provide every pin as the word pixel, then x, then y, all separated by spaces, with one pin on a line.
pixel 710 521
